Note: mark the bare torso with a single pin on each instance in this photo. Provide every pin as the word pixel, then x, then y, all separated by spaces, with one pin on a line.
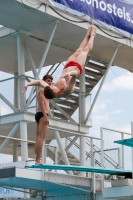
pixel 42 100
pixel 67 89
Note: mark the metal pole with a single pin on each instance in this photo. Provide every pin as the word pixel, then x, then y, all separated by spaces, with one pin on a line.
pixel 109 65
pixel 24 148
pixel 71 143
pixel 82 119
pixel 16 91
pixel 36 99
pixel 23 136
pixel 93 174
pixel 43 59
pixel 55 68
pixel 92 164
pixel 56 158
pixel 119 158
pixel 30 60
pixel 94 182
pixel 69 146
pixel 50 68
pixel 21 71
pixel 91 151
pixel 102 157
pixel 22 97
pixel 122 153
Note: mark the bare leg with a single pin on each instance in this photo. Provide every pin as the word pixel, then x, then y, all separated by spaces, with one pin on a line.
pixel 85 41
pixel 83 45
pixel 42 129
pixel 81 58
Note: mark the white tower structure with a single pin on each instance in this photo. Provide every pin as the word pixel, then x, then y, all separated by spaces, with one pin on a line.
pixel 35 36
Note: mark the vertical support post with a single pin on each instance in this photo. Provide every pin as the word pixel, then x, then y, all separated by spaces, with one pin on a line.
pixel 82 119
pixel 23 136
pixel 119 158
pixel 21 71
pixel 93 184
pixel 91 151
pixel 36 98
pixel 16 91
pixel 102 157
pixel 22 97
pixel 122 147
pixel 15 151
pixel 24 146
pixel 56 158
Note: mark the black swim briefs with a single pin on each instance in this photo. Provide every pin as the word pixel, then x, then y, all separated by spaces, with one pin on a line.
pixel 39 115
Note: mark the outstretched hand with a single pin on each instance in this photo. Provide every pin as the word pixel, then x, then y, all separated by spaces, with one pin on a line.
pixel 24 89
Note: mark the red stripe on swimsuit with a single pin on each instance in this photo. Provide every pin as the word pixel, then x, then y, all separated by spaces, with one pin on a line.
pixel 72 63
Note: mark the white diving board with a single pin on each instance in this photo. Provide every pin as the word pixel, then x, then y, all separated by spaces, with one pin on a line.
pixel 126 142
pixel 80 168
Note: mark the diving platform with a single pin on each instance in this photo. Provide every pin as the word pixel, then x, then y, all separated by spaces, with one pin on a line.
pixel 81 169
pixel 14 175
pixel 126 142
pixel 32 179
pixel 35 177
pixel 8 122
pixel 66 128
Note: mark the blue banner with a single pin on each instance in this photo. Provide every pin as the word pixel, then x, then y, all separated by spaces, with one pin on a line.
pixel 113 12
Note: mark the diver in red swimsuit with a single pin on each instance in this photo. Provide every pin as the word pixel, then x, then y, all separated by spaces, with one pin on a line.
pixel 73 68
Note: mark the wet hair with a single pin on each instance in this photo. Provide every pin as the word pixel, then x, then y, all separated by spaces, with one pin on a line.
pixel 48 93
pixel 46 77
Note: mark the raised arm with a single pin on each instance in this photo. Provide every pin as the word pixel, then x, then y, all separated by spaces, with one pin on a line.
pixel 34 83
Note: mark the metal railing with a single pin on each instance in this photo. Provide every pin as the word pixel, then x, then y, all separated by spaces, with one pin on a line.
pixel 96 149
pixel 120 153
